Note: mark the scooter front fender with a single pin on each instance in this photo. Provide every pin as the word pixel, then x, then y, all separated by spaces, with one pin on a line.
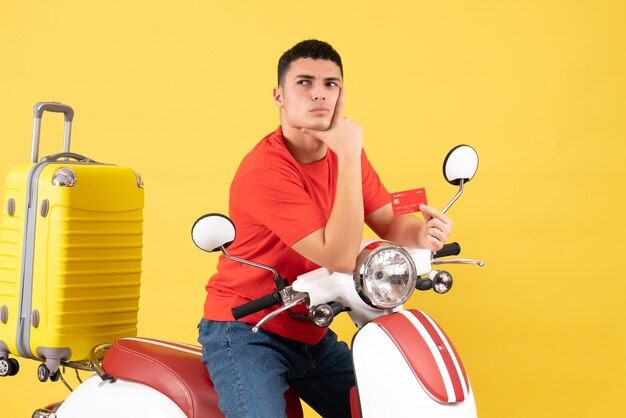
pixel 405 366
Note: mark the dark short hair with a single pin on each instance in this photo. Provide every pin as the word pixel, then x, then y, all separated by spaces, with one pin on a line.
pixel 311 48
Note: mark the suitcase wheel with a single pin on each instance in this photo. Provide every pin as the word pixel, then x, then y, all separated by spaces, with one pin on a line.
pixel 9 367
pixel 43 373
pixel 55 376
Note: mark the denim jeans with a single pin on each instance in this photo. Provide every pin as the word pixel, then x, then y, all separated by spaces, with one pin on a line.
pixel 251 372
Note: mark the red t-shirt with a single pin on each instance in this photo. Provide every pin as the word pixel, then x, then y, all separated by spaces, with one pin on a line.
pixel 274 202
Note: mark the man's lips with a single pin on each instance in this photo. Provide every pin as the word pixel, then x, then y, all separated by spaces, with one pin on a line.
pixel 320 109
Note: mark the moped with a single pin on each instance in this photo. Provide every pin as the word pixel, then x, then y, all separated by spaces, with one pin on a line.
pixel 404 363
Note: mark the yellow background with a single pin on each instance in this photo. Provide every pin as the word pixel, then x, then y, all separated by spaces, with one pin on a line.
pixel 181 90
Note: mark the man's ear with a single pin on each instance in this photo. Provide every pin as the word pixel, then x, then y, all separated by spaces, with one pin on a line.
pixel 278 96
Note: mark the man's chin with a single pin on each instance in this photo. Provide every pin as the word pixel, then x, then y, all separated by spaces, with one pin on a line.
pixel 318 125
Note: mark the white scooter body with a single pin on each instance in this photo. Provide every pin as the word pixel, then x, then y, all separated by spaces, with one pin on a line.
pixel 96 398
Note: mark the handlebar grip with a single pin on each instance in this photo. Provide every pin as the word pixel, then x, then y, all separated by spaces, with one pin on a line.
pixel 452 248
pixel 336 307
pixel 256 305
pixel 424 284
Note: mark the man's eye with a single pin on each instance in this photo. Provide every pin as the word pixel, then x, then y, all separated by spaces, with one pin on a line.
pixel 304 82
pixel 332 84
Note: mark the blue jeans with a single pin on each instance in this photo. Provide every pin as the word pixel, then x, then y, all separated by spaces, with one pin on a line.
pixel 251 372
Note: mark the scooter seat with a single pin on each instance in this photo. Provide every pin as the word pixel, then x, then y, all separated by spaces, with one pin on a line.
pixel 173 369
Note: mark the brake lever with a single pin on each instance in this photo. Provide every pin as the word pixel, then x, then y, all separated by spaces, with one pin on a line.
pixel 297 299
pixel 479 263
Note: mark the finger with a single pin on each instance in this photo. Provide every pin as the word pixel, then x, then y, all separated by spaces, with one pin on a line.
pixel 433 244
pixel 434 213
pixel 437 234
pixel 436 245
pixel 427 216
pixel 338 115
pixel 440 225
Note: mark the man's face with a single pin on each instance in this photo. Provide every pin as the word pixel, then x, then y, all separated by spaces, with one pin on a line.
pixel 308 93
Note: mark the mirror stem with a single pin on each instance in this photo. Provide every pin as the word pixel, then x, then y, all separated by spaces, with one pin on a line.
pixel 456 196
pixel 277 279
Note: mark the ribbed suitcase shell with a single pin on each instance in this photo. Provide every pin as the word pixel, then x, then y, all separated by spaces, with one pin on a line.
pixel 87 260
pixel 78 285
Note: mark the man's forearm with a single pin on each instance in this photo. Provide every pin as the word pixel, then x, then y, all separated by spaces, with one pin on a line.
pixel 344 229
pixel 404 230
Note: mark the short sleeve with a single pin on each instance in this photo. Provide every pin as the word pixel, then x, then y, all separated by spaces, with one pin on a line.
pixel 276 198
pixel 375 195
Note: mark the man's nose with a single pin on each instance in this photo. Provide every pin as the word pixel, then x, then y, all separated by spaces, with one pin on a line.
pixel 318 94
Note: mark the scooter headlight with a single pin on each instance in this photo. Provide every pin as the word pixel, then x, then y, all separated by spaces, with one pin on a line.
pixel 385 275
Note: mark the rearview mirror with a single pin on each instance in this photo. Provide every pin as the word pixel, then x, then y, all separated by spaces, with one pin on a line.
pixel 459 167
pixel 213 231
pixel 461 163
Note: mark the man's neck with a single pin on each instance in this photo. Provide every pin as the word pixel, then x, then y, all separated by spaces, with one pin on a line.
pixel 304 148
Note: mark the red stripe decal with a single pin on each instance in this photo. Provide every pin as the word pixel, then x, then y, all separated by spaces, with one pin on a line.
pixel 458 359
pixel 355 406
pixel 447 359
pixel 416 351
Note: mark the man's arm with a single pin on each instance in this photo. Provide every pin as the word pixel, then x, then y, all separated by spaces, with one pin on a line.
pixel 408 230
pixel 336 245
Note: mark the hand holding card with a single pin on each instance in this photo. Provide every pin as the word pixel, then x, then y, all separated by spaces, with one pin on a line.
pixel 408 201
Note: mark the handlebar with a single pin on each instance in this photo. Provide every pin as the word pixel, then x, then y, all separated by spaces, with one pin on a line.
pixel 452 248
pixel 424 284
pixel 256 305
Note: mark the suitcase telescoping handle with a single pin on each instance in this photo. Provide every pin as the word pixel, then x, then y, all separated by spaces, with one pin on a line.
pixel 51 107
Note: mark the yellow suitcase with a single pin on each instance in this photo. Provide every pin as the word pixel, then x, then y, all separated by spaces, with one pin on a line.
pixel 70 255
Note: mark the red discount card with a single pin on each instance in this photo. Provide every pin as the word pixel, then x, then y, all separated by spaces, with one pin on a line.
pixel 408 201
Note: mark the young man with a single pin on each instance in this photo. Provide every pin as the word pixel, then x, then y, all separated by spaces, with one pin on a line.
pixel 299 200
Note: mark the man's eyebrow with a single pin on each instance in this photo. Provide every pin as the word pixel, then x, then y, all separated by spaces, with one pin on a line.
pixel 310 77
